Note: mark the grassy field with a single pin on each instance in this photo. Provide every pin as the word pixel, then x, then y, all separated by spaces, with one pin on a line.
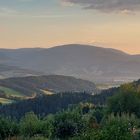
pixel 5 101
pixel 11 92
pixel 47 92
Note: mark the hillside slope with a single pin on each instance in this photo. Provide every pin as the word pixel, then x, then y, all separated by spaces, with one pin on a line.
pixel 45 104
pixel 7 71
pixel 31 86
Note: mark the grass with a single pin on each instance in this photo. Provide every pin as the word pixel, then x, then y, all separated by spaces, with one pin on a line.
pixel 47 92
pixel 11 92
pixel 5 101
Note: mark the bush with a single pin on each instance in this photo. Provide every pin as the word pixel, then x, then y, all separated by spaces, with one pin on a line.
pixel 30 125
pixel 8 128
pixel 120 127
pixel 68 124
pixel 126 101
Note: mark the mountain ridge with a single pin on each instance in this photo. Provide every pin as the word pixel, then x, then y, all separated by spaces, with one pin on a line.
pixel 66 45
pixel 88 62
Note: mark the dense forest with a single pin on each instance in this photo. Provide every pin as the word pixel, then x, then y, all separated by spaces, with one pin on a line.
pixel 119 119
pixel 46 104
pixel 113 114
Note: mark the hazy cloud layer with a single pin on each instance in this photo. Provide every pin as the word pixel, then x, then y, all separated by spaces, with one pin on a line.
pixel 108 5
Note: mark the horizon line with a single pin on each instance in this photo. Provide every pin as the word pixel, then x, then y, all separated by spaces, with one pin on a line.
pixel 83 44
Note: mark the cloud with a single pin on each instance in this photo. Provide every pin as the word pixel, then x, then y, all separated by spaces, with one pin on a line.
pixel 108 5
pixel 63 3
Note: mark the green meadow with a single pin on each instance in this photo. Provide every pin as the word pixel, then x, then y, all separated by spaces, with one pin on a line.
pixel 11 92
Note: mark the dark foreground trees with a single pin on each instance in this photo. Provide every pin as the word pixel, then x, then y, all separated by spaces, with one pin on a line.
pixel 71 124
pixel 8 128
pixel 127 100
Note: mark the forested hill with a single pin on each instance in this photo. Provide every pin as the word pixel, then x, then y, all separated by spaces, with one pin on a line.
pixel 46 104
pixel 55 83
pixel 137 84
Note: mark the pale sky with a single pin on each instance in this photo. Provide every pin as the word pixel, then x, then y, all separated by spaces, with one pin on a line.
pixel 47 23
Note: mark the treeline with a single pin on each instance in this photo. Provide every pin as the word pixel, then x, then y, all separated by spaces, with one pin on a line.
pixel 46 104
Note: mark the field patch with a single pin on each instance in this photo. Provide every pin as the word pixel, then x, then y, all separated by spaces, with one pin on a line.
pixel 6 101
pixel 10 92
pixel 47 92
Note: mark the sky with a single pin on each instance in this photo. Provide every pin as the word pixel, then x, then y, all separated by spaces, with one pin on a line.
pixel 48 23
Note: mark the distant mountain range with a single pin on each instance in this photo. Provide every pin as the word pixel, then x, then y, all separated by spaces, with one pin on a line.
pixel 96 64
pixel 7 71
